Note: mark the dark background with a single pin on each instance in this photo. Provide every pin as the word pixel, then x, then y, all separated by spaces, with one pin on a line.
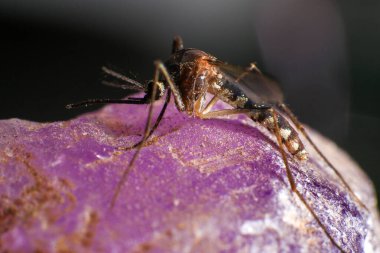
pixel 324 53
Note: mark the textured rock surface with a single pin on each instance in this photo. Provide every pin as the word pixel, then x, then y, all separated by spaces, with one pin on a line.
pixel 198 186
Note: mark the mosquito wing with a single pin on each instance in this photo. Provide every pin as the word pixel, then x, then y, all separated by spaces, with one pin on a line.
pixel 252 82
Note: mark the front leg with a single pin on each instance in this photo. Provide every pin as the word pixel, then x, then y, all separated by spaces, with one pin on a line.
pixel 148 131
pixel 160 67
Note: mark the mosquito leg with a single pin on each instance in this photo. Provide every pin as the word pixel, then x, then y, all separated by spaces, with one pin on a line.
pixel 177 44
pixel 252 67
pixel 158 120
pixel 226 112
pixel 210 105
pixel 160 68
pixel 292 181
pixel 205 112
pixel 300 127
pixel 177 95
pixel 135 101
pixel 283 154
pixel 146 133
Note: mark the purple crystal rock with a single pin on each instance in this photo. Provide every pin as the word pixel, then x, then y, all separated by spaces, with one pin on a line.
pixel 197 186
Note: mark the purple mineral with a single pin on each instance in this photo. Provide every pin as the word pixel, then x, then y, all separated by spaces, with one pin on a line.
pixel 197 186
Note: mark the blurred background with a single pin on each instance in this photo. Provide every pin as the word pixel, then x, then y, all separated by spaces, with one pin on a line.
pixel 324 53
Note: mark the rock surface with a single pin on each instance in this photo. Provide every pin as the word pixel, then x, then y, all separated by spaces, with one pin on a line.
pixel 198 186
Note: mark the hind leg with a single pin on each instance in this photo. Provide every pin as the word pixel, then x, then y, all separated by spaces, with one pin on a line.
pixel 276 128
pixel 292 181
pixel 300 127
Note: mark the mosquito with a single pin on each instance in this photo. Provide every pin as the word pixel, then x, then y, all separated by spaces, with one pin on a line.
pixel 189 74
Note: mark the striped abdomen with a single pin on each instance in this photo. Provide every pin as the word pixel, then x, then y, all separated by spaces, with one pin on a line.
pixel 233 95
pixel 288 134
